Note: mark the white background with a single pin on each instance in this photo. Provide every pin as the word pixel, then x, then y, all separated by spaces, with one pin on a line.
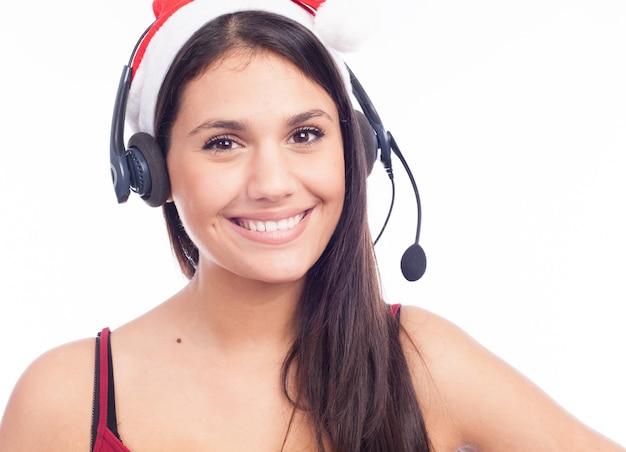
pixel 511 114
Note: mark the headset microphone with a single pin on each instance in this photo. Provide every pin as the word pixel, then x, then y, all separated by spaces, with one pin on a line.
pixel 413 262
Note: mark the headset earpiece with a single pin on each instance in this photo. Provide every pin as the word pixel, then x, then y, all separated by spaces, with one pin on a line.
pixel 149 178
pixel 140 168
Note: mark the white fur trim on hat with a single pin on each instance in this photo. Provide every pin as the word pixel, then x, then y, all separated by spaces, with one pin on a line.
pixel 172 35
pixel 345 25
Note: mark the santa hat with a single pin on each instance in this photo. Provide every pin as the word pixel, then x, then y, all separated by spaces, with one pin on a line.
pixel 341 25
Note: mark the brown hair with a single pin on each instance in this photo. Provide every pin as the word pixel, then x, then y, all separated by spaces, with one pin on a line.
pixel 351 376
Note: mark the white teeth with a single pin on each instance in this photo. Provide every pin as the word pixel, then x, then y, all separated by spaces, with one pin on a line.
pixel 271 226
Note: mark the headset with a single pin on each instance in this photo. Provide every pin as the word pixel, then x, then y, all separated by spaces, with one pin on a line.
pixel 141 166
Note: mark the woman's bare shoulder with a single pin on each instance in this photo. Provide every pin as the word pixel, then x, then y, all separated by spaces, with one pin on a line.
pixel 50 407
pixel 470 396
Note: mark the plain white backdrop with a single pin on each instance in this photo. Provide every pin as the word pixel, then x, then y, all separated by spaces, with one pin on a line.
pixel 512 116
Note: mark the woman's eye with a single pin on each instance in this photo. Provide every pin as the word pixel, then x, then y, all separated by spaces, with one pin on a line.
pixel 306 136
pixel 220 144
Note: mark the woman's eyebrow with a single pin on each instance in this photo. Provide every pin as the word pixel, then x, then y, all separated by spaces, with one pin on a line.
pixel 238 125
pixel 218 124
pixel 307 115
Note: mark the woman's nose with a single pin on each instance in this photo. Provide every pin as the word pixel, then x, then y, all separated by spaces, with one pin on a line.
pixel 272 176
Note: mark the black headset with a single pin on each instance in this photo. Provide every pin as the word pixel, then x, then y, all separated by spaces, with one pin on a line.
pixel 141 166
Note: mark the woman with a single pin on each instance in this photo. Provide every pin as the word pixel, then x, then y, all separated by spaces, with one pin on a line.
pixel 281 340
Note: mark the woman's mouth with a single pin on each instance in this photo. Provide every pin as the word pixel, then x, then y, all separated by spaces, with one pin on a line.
pixel 270 225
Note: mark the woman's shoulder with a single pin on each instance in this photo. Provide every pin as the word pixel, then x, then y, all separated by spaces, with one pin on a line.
pixel 438 342
pixel 50 407
pixel 470 396
pixel 432 345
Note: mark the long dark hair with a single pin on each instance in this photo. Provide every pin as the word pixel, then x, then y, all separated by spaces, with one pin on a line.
pixel 350 373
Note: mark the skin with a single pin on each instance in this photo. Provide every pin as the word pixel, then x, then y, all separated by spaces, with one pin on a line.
pixel 218 388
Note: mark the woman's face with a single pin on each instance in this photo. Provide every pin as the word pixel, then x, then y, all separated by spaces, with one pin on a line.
pixel 256 167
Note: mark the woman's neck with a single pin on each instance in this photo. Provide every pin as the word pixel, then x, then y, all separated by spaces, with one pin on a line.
pixel 237 312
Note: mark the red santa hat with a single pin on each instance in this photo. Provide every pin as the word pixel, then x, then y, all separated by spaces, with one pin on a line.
pixel 341 25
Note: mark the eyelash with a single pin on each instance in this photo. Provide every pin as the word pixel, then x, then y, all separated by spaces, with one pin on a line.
pixel 317 134
pixel 213 143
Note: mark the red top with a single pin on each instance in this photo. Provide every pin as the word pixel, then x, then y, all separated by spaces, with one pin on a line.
pixel 104 429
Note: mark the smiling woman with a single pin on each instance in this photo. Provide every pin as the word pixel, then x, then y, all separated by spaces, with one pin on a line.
pixel 244 130
pixel 270 155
